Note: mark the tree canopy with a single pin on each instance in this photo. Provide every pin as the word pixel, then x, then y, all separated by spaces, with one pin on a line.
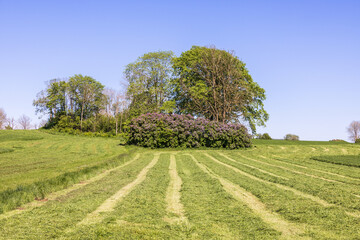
pixel 203 82
pixel 79 96
pixel 215 84
pixel 149 82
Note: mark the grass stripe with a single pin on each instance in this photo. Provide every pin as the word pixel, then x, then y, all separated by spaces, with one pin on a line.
pixel 291 170
pixel 247 165
pixel 212 212
pixel 316 199
pixel 56 195
pixel 111 202
pixel 52 219
pixel 297 192
pixel 174 205
pixel 313 169
pixel 287 229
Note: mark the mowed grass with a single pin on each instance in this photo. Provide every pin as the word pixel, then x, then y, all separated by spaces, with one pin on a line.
pixel 272 191
pixel 351 160
pixel 34 163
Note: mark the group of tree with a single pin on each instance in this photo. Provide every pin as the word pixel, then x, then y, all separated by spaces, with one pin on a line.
pixel 204 82
pixel 82 103
pixel 264 136
pixel 9 123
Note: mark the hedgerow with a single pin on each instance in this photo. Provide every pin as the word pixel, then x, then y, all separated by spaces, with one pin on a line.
pixel 157 130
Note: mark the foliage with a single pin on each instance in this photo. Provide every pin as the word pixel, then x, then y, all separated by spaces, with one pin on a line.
pixel 357 141
pixel 215 84
pixel 291 137
pixel 149 82
pixel 337 140
pixel 80 96
pixel 87 95
pixel 265 136
pixel 163 130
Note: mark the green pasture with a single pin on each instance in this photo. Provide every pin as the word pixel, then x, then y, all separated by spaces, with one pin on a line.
pixel 275 190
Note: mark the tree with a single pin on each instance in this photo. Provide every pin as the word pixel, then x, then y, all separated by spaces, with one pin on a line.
pixel 11 123
pixel 264 136
pixel 24 122
pixel 215 84
pixel 149 81
pixel 2 118
pixel 87 94
pixel 354 130
pixel 80 96
pixel 53 100
pixel 291 137
pixel 115 105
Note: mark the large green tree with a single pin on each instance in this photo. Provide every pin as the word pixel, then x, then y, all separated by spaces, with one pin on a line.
pixel 80 96
pixel 215 84
pixel 53 100
pixel 149 80
pixel 87 95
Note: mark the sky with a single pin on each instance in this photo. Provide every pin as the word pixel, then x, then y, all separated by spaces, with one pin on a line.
pixel 305 54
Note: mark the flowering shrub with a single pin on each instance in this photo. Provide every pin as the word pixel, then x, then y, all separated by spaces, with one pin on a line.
pixel 157 130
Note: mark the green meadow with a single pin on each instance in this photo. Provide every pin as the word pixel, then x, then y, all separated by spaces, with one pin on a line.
pixel 72 187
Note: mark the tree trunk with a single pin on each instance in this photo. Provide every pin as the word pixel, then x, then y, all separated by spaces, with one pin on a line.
pixel 116 124
pixel 81 117
pixel 121 118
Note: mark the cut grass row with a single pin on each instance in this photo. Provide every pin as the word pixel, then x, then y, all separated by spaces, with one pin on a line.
pixel 142 214
pixel 349 160
pixel 54 217
pixel 340 193
pixel 39 163
pixel 324 222
pixel 218 202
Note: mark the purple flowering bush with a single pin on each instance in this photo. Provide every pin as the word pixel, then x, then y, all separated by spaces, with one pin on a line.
pixel 158 130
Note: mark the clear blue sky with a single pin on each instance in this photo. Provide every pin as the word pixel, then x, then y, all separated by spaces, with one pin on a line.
pixel 305 54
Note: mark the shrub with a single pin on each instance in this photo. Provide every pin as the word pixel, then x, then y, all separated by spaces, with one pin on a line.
pixel 157 130
pixel 337 140
pixel 265 136
pixel 357 141
pixel 291 137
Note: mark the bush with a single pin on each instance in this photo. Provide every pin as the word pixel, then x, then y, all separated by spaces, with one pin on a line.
pixel 291 137
pixel 157 130
pixel 338 140
pixel 264 136
pixel 357 141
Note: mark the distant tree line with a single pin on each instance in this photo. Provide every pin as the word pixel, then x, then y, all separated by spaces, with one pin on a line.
pixel 9 123
pixel 203 82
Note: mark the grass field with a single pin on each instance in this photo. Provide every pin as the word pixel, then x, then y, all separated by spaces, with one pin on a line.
pixel 349 160
pixel 275 190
